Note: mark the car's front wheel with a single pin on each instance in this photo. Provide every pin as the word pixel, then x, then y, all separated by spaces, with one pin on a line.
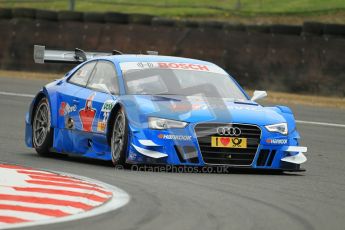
pixel 119 139
pixel 42 135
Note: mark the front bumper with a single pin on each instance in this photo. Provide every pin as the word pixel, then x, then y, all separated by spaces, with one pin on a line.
pixel 298 158
pixel 182 147
pixel 28 131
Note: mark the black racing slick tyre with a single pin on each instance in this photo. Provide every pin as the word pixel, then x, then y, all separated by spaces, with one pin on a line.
pixel 119 139
pixel 42 133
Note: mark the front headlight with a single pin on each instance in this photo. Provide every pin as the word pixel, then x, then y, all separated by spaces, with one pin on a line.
pixel 278 128
pixel 161 123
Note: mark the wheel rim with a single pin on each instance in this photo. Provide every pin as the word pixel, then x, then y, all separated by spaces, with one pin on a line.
pixel 117 139
pixel 41 125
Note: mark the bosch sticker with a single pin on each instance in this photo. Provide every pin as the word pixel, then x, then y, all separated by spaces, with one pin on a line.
pixel 128 66
pixel 171 65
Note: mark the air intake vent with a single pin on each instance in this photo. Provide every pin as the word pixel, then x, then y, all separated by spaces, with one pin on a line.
pixel 262 157
pixel 270 159
pixel 187 154
pixel 266 157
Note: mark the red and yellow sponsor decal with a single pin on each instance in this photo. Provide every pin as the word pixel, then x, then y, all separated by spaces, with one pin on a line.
pixel 229 142
pixel 101 126
pixel 87 114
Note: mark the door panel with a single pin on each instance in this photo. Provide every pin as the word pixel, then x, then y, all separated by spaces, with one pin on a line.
pixel 67 107
pixel 93 108
pixel 90 122
pixel 85 110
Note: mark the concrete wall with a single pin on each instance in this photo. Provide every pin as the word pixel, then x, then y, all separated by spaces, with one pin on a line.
pixel 307 59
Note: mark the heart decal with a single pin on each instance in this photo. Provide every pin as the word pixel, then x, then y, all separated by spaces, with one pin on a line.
pixel 225 141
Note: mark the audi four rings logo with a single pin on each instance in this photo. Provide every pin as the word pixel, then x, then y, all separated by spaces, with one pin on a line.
pixel 229 131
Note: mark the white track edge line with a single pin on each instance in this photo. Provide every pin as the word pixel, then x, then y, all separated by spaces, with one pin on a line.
pixel 320 123
pixel 17 94
pixel 119 199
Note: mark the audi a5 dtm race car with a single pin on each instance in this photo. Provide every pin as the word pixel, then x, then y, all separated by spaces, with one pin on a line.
pixel 151 109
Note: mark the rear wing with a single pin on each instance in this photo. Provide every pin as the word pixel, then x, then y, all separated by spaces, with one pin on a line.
pixel 43 55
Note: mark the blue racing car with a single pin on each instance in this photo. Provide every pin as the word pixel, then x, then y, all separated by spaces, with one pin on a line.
pixel 152 109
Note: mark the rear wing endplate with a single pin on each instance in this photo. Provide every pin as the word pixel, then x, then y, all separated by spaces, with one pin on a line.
pixel 43 55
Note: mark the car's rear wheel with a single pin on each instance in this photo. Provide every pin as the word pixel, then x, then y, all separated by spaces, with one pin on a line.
pixel 42 135
pixel 119 139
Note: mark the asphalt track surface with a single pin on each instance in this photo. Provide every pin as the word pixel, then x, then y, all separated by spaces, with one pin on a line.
pixel 314 199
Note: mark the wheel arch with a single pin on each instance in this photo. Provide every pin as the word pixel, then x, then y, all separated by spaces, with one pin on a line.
pixel 52 101
pixel 35 102
pixel 117 107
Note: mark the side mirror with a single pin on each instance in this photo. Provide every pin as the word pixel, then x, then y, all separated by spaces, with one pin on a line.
pixel 258 94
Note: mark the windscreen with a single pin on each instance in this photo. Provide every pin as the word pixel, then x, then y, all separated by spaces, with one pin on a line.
pixel 179 79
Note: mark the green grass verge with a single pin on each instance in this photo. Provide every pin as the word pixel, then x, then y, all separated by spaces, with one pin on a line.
pixel 294 11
